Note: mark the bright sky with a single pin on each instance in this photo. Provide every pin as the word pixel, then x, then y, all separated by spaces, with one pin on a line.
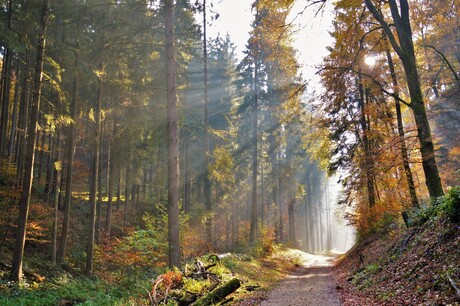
pixel 235 18
pixel 310 40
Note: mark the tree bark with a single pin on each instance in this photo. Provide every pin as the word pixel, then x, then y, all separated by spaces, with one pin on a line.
pixel 99 189
pixel 127 182
pixel 307 212
pixel 187 177
pixel 6 84
pixel 69 167
pixel 255 152
pixel 111 167
pixel 16 266
pixel 173 142
pixel 49 168
pixel 94 181
pixel 291 211
pixel 22 122
pixel 291 195
pixel 369 164
pixel 275 184
pixel 57 182
pixel 118 187
pixel 207 180
pixel 5 103
pixel 14 115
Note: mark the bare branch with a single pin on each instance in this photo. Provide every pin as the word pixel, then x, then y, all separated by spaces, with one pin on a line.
pixel 370 77
pixel 445 61
pixel 386 27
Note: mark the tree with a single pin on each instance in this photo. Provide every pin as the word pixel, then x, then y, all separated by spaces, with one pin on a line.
pixel 69 159
pixel 173 146
pixel 16 269
pixel 5 85
pixel 207 179
pixel 404 47
pixel 364 140
pixel 94 176
pixel 404 153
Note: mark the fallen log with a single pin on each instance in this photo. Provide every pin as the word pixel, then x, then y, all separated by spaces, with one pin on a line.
pixel 219 293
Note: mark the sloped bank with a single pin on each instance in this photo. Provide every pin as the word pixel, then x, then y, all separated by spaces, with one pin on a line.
pixel 419 265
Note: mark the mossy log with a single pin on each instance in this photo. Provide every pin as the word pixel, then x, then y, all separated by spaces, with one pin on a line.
pixel 219 293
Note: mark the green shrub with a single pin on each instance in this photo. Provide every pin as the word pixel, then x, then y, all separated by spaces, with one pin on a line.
pixel 451 205
pixel 446 206
pixel 81 291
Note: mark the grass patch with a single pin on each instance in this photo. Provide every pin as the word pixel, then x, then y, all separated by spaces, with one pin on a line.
pixel 265 273
pixel 81 291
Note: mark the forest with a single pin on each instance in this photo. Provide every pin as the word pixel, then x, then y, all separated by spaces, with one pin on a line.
pixel 134 145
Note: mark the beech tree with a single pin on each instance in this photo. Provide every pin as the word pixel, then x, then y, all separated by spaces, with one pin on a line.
pixel 403 45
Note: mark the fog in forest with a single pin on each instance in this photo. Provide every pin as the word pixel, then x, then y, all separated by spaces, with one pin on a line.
pixel 327 230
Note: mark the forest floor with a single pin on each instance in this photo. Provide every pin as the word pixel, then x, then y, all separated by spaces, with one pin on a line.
pixel 415 266
pixel 312 283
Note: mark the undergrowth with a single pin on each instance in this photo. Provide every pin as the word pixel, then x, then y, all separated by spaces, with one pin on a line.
pixel 447 206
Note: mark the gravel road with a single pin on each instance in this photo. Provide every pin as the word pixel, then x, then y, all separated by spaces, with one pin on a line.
pixel 311 284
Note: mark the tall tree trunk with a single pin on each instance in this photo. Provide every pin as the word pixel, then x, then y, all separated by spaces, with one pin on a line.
pixel 308 221
pixel 254 217
pixel 99 189
pixel 16 266
pixel 187 177
pixel 111 167
pixel 173 142
pixel 402 141
pixel 368 161
pixel 5 103
pixel 144 182
pixel 94 180
pixel 320 214
pixel 207 180
pixel 291 215
pixel 405 50
pixel 43 152
pixel 14 115
pixel 328 216
pixel 6 84
pixel 262 204
pixel 49 168
pixel 57 182
pixel 22 120
pixel 69 167
pixel 275 184
pixel 279 209
pixel 291 195
pixel 127 182
pixel 118 187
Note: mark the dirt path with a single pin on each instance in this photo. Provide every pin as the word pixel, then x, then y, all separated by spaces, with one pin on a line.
pixel 310 284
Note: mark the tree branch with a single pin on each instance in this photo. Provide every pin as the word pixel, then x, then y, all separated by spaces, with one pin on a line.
pixel 382 88
pixel 445 61
pixel 377 15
